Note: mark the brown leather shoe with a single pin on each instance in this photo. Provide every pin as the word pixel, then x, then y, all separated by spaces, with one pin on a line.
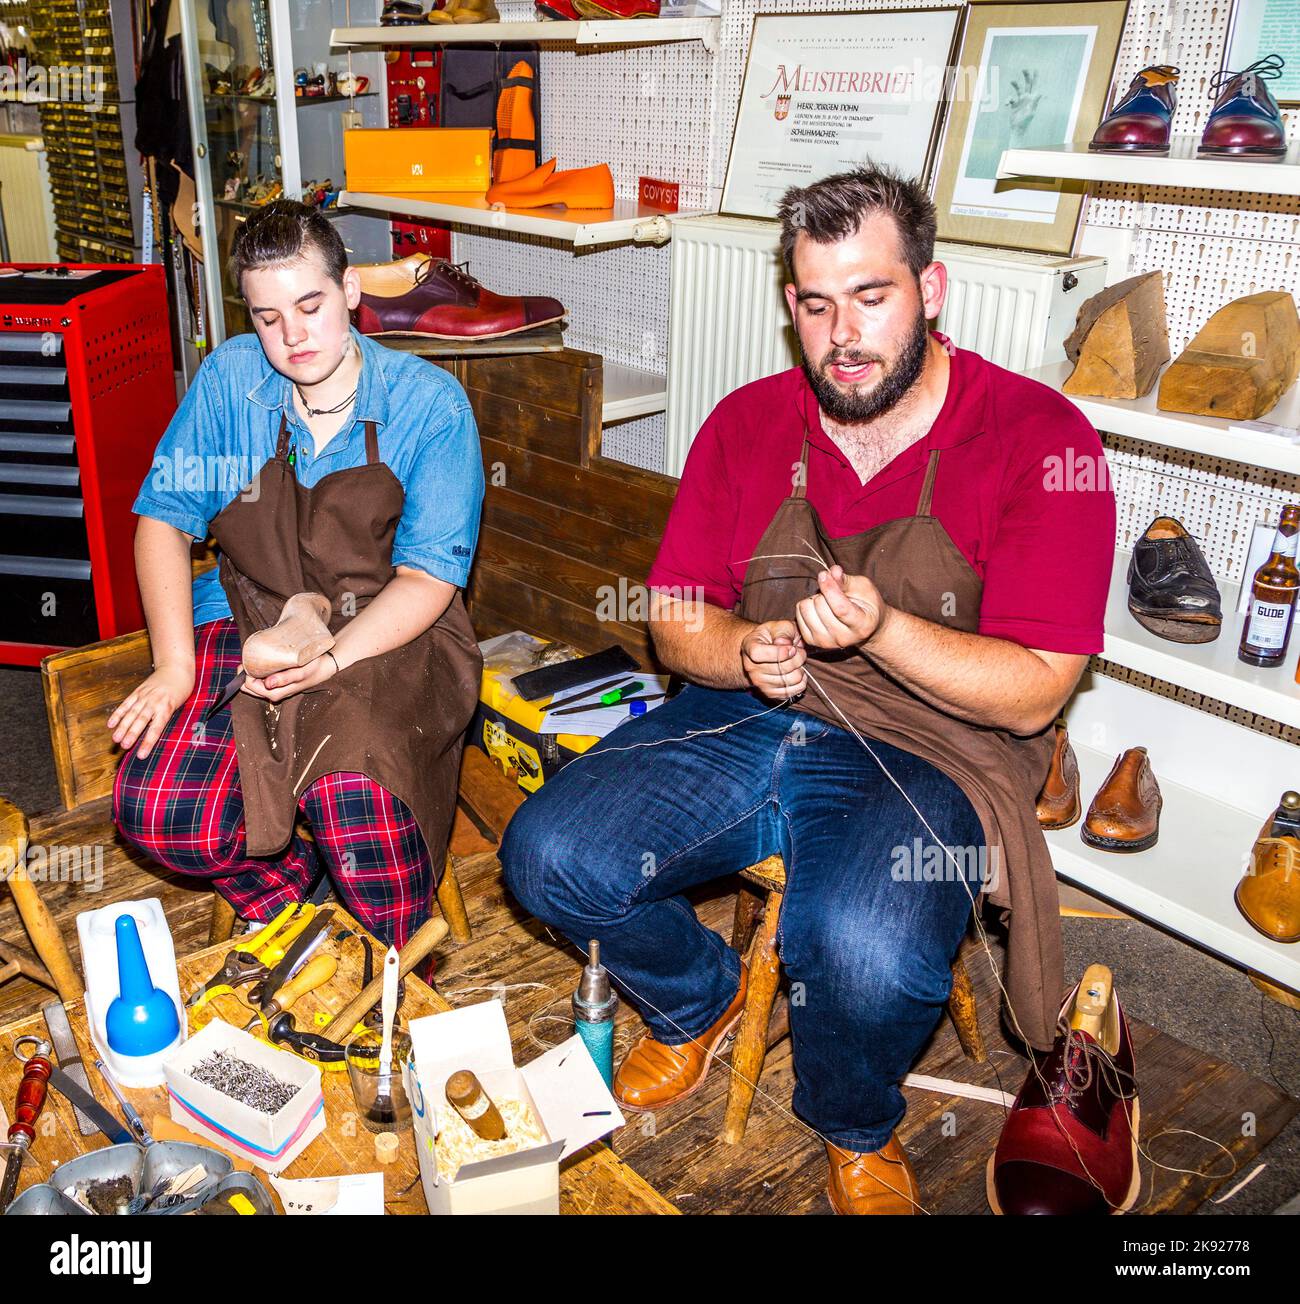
pixel 653 1075
pixel 1269 892
pixel 445 302
pixel 882 1182
pixel 1058 803
pixel 1125 813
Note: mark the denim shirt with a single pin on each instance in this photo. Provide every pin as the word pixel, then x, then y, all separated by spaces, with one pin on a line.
pixel 226 429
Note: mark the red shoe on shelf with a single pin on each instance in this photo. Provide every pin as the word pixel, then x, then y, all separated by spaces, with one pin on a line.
pixel 617 8
pixel 557 11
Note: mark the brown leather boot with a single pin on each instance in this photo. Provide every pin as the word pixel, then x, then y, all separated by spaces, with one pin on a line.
pixel 1058 803
pixel 1125 813
pixel 653 1075
pixel 1269 893
pixel 882 1182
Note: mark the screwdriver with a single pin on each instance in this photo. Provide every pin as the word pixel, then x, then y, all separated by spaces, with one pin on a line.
pixel 315 973
pixel 612 698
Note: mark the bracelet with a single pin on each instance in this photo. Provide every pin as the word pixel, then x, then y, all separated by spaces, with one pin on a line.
pixel 338 669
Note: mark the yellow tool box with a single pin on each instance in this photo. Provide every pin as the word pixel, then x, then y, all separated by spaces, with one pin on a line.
pixel 505 727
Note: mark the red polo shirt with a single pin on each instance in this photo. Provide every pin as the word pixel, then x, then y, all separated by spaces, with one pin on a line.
pixel 1022 489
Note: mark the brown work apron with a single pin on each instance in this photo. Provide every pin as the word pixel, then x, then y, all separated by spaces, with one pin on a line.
pixel 918 569
pixel 398 718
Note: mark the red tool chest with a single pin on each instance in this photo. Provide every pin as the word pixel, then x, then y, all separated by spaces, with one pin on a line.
pixel 86 390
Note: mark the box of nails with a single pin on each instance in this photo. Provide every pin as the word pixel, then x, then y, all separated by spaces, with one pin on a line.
pixel 249 1098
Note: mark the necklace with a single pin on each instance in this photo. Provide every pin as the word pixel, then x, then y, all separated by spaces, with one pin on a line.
pixel 324 412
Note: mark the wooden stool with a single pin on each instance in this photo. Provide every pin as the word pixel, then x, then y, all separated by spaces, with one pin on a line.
pixel 82 687
pixel 52 965
pixel 759 936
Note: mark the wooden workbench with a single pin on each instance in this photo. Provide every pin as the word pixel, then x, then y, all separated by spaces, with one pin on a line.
pixel 595 1181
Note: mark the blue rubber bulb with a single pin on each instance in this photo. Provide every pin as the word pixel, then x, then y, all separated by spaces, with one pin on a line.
pixel 143 1019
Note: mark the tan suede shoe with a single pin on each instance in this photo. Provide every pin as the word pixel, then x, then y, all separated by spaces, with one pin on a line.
pixel 1058 803
pixel 882 1182
pixel 653 1075
pixel 1125 813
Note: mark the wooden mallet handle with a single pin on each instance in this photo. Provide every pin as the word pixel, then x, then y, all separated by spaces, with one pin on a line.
pixel 416 950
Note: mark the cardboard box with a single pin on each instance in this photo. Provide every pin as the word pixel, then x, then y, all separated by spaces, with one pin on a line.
pixel 560 1086
pixel 432 158
pixel 271 1141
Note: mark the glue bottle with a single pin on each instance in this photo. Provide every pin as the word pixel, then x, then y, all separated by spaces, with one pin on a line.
pixel 594 1004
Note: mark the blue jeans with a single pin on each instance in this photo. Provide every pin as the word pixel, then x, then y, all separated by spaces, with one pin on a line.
pixel 868 928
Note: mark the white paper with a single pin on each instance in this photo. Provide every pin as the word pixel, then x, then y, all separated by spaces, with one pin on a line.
pixel 351 1193
pixel 602 720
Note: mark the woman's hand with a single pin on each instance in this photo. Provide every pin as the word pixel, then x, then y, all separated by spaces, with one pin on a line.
pixel 846 613
pixel 148 708
pixel 285 683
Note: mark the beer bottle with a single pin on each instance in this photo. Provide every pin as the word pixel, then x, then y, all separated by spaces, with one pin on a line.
pixel 466 1096
pixel 1272 597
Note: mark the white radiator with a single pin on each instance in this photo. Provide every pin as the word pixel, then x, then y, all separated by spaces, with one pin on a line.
pixel 28 209
pixel 728 323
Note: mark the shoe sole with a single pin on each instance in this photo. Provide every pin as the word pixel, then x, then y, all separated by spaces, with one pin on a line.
pixel 1129 149
pixel 496 335
pixel 1272 937
pixel 589 9
pixel 1240 150
pixel 1187 629
pixel 723 1041
pixel 1120 845
pixel 1130 1196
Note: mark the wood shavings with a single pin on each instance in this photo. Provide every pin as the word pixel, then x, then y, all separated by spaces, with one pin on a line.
pixel 459 1144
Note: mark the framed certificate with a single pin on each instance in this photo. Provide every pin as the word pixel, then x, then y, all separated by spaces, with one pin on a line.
pixel 824 93
pixel 1263 27
pixel 1030 76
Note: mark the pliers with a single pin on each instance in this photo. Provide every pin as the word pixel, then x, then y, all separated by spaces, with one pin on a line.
pixel 252 959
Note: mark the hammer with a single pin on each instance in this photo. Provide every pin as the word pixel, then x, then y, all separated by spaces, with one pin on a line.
pixel 416 950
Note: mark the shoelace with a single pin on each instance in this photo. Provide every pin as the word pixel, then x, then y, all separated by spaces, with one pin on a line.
pixel 457 272
pixel 1084 1060
pixel 1269 68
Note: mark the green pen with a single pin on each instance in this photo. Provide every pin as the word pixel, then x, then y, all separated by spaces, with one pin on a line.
pixel 618 694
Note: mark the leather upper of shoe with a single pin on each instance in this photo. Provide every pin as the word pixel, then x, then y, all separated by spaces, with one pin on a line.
pixel 1245 115
pixel 653 1073
pixel 1128 804
pixel 1168 573
pixel 446 299
pixel 881 1182
pixel 1269 892
pixel 1143 116
pixel 1067 1144
pixel 1058 802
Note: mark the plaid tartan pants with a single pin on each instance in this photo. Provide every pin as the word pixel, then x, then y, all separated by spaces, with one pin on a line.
pixel 182 805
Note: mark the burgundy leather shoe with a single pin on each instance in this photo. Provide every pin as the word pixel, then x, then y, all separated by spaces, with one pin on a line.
pixel 1139 123
pixel 1070 1143
pixel 445 302
pixel 1245 118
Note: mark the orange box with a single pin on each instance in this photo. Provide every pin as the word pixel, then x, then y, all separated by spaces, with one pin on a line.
pixel 418 158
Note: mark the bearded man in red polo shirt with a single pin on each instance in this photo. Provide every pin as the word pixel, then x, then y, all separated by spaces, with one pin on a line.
pixel 880 591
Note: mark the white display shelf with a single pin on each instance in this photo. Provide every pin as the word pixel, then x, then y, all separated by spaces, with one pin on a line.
pixel 612 31
pixel 1209 668
pixel 1212 436
pixel 581 227
pixel 1180 167
pixel 1186 881
pixel 631 393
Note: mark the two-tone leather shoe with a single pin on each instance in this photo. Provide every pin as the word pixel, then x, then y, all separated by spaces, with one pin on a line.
pixel 1245 118
pixel 1058 803
pixel 653 1074
pixel 1139 123
pixel 875 1183
pixel 1171 590
pixel 1070 1142
pixel 1269 892
pixel 445 302
pixel 1125 813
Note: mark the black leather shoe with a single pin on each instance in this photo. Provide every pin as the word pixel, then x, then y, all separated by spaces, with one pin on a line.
pixel 1171 591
